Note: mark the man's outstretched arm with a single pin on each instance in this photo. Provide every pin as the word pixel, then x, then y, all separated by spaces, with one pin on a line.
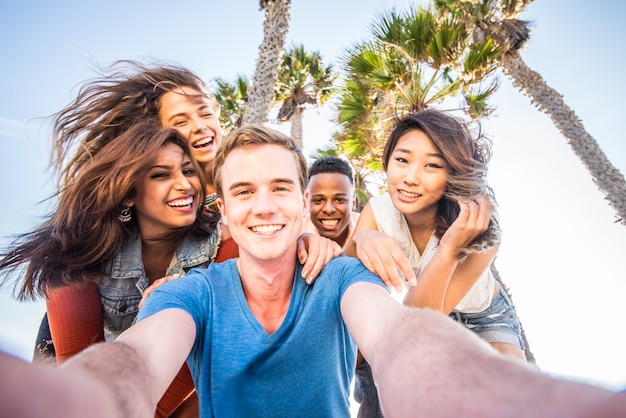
pixel 426 365
pixel 140 364
pixel 37 390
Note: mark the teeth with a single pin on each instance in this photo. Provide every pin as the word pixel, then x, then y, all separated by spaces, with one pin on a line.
pixel 409 195
pixel 266 229
pixel 203 143
pixel 181 202
pixel 329 222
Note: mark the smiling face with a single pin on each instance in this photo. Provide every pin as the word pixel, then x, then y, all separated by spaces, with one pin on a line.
pixel 331 199
pixel 416 175
pixel 167 197
pixel 263 203
pixel 192 114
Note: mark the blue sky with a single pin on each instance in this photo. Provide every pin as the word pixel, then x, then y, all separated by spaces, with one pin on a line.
pixel 562 252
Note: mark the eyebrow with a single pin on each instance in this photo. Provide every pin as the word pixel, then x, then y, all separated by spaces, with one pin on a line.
pixel 430 154
pixel 169 167
pixel 334 194
pixel 249 183
pixel 181 114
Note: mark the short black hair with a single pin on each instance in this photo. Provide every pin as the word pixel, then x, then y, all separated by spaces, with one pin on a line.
pixel 331 165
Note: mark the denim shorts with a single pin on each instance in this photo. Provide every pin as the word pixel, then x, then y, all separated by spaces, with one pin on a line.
pixel 496 324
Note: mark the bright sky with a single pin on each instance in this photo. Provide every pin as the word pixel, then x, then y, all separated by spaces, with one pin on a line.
pixel 562 252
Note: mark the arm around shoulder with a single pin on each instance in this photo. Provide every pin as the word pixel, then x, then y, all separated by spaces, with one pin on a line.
pixel 364 221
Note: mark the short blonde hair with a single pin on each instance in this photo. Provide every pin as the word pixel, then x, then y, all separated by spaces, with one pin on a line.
pixel 256 135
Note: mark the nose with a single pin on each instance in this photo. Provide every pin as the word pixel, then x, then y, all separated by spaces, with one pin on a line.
pixel 198 125
pixel 412 175
pixel 264 203
pixel 182 183
pixel 328 207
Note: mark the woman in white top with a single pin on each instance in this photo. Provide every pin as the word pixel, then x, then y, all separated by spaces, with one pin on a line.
pixel 437 229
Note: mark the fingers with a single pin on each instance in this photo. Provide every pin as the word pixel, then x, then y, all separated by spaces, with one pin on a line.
pixel 146 293
pixel 485 212
pixel 479 214
pixel 386 270
pixel 474 217
pixel 336 249
pixel 383 257
pixel 154 285
pixel 320 251
pixel 301 248
pixel 403 264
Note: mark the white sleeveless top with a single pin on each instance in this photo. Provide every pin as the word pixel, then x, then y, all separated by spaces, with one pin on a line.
pixel 392 222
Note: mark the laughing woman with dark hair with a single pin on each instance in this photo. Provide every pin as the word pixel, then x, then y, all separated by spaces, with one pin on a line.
pixel 131 215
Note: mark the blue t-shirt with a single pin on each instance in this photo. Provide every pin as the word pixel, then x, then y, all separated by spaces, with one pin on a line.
pixel 303 369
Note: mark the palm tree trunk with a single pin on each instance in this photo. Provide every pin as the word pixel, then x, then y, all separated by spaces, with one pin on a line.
pixel 608 178
pixel 275 28
pixel 296 126
pixel 530 357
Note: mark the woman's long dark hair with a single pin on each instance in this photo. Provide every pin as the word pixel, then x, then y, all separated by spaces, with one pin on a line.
pixel 74 244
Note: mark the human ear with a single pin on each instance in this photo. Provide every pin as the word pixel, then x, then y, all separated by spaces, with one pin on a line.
pixel 222 207
pixel 305 209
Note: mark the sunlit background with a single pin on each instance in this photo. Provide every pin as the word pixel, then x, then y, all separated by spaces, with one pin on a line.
pixel 562 253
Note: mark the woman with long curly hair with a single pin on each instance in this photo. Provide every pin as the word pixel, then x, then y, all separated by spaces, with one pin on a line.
pixel 131 215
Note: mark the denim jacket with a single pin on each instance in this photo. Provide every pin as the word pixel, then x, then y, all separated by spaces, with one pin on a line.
pixel 122 289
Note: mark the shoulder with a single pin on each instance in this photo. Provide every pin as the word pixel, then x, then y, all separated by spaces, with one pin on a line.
pixel 383 210
pixel 388 219
pixel 197 251
pixel 350 270
pixel 382 199
pixel 380 203
pixel 192 292
pixel 198 280
pixel 215 271
pixel 127 258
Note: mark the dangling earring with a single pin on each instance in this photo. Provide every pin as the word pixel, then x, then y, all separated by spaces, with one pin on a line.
pixel 125 215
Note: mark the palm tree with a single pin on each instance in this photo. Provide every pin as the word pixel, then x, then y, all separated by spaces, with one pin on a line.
pixel 302 80
pixel 497 20
pixel 275 28
pixel 233 100
pixel 414 61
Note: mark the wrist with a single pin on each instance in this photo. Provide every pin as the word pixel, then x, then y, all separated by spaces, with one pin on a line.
pixel 452 252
